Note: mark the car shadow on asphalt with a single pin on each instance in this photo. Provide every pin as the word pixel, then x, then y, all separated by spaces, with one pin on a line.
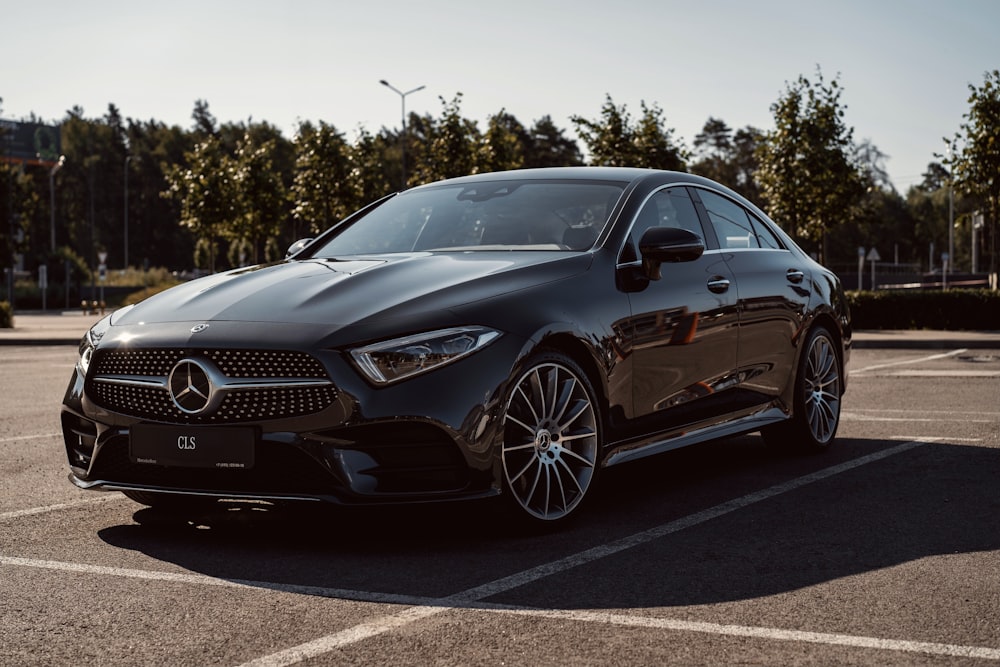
pixel 930 500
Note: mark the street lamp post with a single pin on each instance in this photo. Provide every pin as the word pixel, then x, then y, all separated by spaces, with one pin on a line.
pixel 951 215
pixel 128 159
pixel 52 198
pixel 402 97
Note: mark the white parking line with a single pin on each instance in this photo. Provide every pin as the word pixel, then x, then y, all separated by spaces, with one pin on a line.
pixel 30 437
pixel 16 514
pixel 332 642
pixel 955 373
pixel 906 362
pixel 828 638
pixel 475 598
pixel 852 416
pixel 205 580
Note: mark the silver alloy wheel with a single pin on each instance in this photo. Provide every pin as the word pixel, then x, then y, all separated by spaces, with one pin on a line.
pixel 822 389
pixel 550 443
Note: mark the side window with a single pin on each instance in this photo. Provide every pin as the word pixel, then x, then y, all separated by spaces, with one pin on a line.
pixel 670 207
pixel 765 236
pixel 730 220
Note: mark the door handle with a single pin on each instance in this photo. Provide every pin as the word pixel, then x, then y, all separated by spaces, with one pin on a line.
pixel 795 276
pixel 718 284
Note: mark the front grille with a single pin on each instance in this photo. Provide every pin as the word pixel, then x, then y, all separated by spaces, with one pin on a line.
pixel 255 385
pixel 234 363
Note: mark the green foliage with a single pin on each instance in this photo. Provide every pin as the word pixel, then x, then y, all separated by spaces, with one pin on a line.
pixel 546 146
pixel 609 139
pixel 807 177
pixel 6 316
pixel 207 193
pixel 953 310
pixel 502 146
pixel 322 188
pixel 260 198
pixel 614 141
pixel 451 146
pixel 242 189
pixel 369 176
pixel 730 159
pixel 977 167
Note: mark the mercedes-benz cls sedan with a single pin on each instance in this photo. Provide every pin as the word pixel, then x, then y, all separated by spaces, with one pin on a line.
pixel 507 334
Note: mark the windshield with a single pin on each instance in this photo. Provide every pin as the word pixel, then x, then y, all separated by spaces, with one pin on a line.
pixel 491 215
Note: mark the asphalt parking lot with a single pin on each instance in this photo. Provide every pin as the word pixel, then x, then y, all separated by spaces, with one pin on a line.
pixel 883 551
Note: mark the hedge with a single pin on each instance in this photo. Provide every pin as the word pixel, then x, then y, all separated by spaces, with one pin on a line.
pixel 6 315
pixel 951 310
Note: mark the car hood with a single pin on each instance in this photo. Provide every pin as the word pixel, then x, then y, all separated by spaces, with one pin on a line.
pixel 336 293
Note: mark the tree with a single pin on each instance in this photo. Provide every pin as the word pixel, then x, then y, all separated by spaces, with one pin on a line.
pixel 369 175
pixel 155 235
pixel 745 150
pixel 935 178
pixel 206 193
pixel 613 140
pixel 807 176
pixel 713 148
pixel 609 140
pixel 729 158
pixel 502 147
pixel 321 189
pixel 871 161
pixel 548 147
pixel 977 166
pixel 260 197
pixel 655 146
pixel 450 150
pixel 205 124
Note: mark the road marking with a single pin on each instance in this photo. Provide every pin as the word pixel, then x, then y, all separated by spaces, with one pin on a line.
pixel 905 362
pixel 17 514
pixel 332 642
pixel 851 416
pixel 431 606
pixel 30 437
pixel 940 374
pixel 828 638
pixel 205 580
pixel 419 608
pixel 904 411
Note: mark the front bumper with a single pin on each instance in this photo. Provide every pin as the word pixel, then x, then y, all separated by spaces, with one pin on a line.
pixel 430 438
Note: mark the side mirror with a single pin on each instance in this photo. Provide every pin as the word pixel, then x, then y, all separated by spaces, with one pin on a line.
pixel 668 244
pixel 297 246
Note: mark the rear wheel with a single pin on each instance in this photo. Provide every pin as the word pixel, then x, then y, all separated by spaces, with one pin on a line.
pixel 818 388
pixel 551 439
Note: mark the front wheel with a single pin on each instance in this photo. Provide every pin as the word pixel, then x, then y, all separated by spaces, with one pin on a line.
pixel 816 407
pixel 551 439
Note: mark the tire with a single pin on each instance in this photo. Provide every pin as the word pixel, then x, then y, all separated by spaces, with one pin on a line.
pixel 551 440
pixel 816 407
pixel 170 502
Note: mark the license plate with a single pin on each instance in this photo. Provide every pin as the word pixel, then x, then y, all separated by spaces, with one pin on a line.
pixel 223 447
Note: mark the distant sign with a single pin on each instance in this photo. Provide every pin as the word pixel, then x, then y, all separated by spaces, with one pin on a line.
pixel 32 143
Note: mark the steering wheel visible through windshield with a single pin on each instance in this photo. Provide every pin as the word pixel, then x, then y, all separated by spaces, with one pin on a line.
pixel 496 215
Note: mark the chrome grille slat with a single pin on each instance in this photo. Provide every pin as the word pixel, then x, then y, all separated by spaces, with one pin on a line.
pixel 259 384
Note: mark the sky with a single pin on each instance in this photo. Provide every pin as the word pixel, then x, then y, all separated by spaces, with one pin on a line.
pixel 905 66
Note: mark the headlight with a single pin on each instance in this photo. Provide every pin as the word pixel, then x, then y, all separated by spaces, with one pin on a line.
pixel 400 358
pixel 90 340
pixel 89 343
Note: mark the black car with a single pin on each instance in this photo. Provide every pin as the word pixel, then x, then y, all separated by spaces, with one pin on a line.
pixel 499 334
